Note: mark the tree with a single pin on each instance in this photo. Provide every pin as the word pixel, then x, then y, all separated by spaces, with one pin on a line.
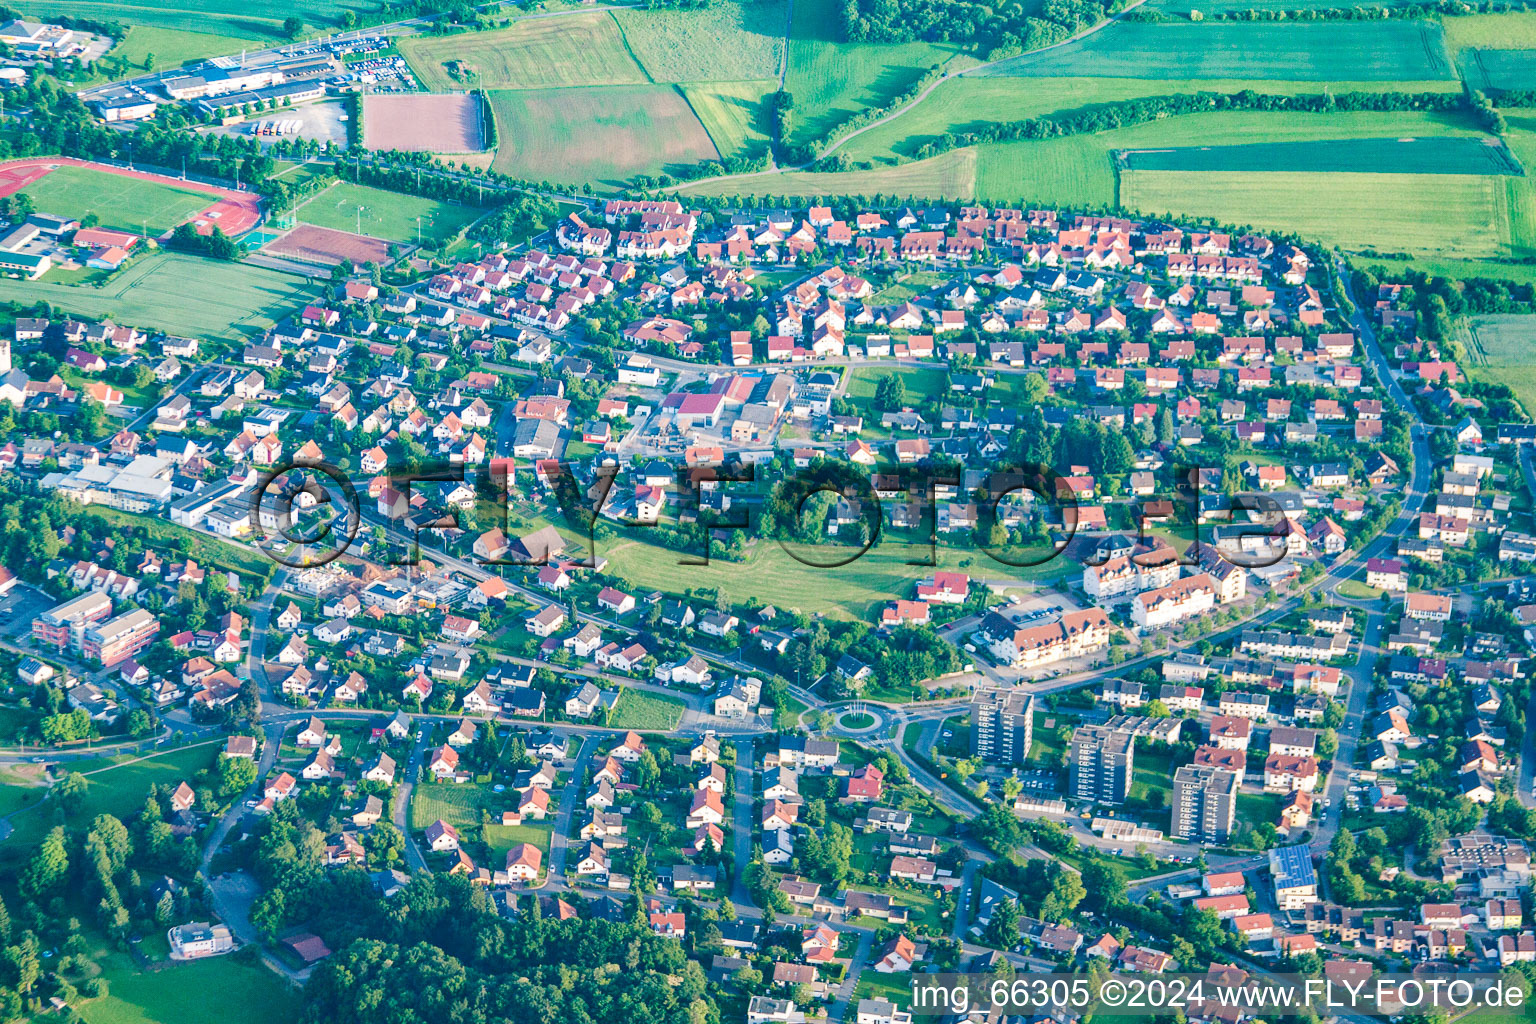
pixel 1103 886
pixel 1066 893
pixel 48 865
pixel 70 791
pixel 293 27
pixel 149 62
pixel 890 393
pixel 1002 930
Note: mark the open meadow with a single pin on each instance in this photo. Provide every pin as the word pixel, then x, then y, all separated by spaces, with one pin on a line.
pixel 1307 51
pixel 719 42
pixel 1444 214
pixel 583 48
pixel 949 175
pixel 346 206
pixel 734 114
pixel 1502 349
pixel 832 80
pixel 262 21
pixel 219 990
pixel 118 201
pixel 602 135
pixel 178 294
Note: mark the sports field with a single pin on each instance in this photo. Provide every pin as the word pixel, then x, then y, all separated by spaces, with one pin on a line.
pixel 1502 349
pixel 720 42
pixel 733 113
pixel 1444 155
pixel 219 17
pixel 120 202
pixel 601 135
pixel 178 294
pixel 833 80
pixel 1306 51
pixel 535 53
pixel 971 104
pixel 424 122
pixel 328 246
pixel 387 215
pixel 1445 214
pixel 949 175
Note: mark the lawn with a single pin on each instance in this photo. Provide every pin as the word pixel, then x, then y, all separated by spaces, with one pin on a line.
pixel 968 103
pixel 1308 51
pixel 457 804
pixel 1258 808
pixel 1435 155
pixel 600 135
pixel 719 42
pixel 1445 214
pixel 922 384
pixel 219 990
pixel 584 48
pixel 501 838
pixel 832 80
pixel 1502 349
pixel 896 988
pixel 949 175
pixel 217 17
pixel 120 202
pixel 178 294
pixel 173 47
pixel 654 712
pixel 733 113
pixel 115 786
pixel 387 215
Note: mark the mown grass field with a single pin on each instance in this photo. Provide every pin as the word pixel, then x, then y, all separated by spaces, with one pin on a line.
pixel 1444 155
pixel 173 47
pixel 733 113
pixel 388 215
pixel 1447 214
pixel 457 804
pixel 579 49
pixel 1078 169
pixel 219 990
pixel 178 294
pixel 1502 349
pixel 971 103
pixel 1306 51
pixel 721 42
pixel 601 135
pixel 951 175
pixel 653 712
pixel 833 80
pixel 120 202
pixel 217 17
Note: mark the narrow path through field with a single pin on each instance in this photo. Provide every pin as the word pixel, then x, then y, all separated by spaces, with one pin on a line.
pixel 915 100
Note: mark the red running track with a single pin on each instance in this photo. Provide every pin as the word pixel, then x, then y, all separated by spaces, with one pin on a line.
pixel 235 212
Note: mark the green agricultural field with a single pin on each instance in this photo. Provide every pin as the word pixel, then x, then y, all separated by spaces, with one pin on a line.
pixel 652 712
pixel 951 175
pixel 1502 349
pixel 1514 30
pixel 262 21
pixel 1444 214
pixel 967 103
pixel 387 215
pixel 1498 69
pixel 180 295
pixel 1444 155
pixel 120 202
pixel 1308 51
pixel 720 42
pixel 602 135
pixel 733 113
pixel 537 53
pixel 219 990
pixel 832 80
pixel 1078 169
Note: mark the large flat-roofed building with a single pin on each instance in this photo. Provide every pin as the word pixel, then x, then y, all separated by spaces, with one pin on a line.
pixel 64 625
pixel 1001 724
pixel 120 638
pixel 1103 762
pixel 1204 803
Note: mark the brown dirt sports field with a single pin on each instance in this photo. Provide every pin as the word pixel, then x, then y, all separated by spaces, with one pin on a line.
pixel 423 123
pixel 328 246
